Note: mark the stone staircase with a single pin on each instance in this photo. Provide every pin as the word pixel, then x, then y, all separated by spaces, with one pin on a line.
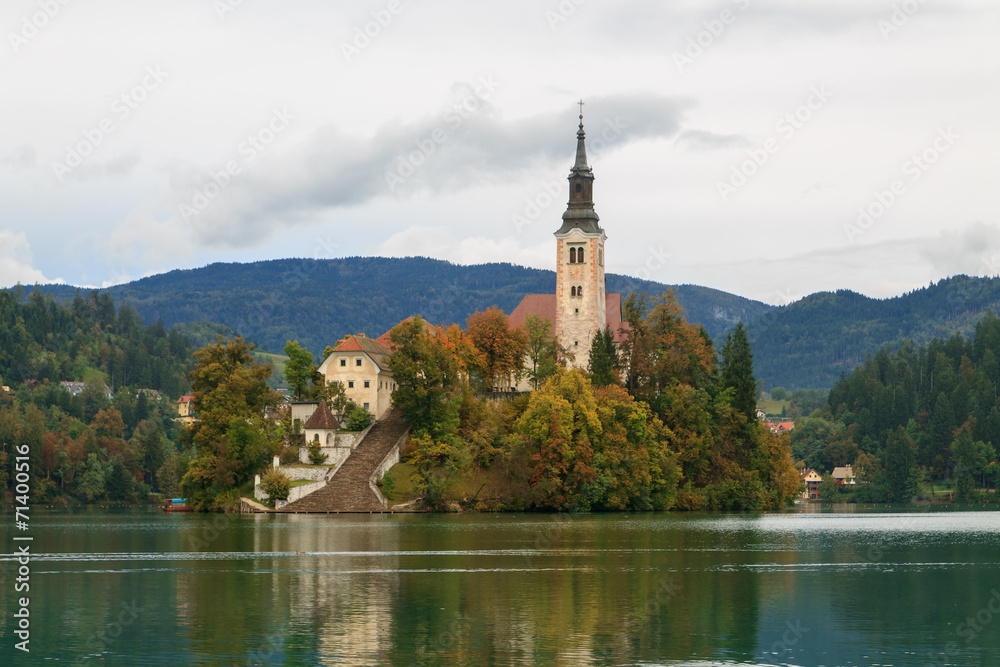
pixel 349 490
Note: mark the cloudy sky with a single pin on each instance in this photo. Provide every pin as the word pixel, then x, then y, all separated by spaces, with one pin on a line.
pixel 770 148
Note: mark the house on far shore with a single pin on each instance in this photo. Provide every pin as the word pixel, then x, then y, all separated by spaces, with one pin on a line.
pixel 185 412
pixel 361 365
pixel 781 427
pixel 843 476
pixel 810 480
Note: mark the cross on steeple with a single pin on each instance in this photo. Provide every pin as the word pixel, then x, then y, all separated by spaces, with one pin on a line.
pixel 581 103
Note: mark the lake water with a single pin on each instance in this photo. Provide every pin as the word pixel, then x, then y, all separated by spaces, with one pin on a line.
pixel 831 588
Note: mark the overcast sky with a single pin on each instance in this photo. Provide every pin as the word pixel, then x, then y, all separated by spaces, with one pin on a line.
pixel 733 142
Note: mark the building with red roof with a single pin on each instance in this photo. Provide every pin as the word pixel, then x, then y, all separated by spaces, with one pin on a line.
pixel 361 365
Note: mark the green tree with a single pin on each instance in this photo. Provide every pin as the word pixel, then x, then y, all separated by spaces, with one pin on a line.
pixel 91 485
pixel 900 473
pixel 427 377
pixel 543 360
pixel 316 455
pixel 604 362
pixel 737 372
pixel 972 457
pixel 233 440
pixel 299 369
pixel 119 484
pixel 149 440
pixel 358 418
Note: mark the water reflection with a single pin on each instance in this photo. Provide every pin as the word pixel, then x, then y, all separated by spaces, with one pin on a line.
pixel 864 588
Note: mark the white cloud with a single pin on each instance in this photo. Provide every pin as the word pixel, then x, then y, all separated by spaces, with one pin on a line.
pixel 441 243
pixel 16 261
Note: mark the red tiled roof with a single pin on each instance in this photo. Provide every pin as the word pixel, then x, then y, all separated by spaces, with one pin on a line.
pixel 544 305
pixel 322 418
pixel 186 398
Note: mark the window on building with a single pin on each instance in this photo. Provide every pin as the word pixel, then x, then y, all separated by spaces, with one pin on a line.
pixel 343 362
pixel 579 256
pixel 368 384
pixel 579 290
pixel 579 188
pixel 600 257
pixel 366 406
pixel 576 343
pixel 350 384
pixel 329 438
pixel 577 311
pixel 572 255
pixel 357 362
pixel 572 291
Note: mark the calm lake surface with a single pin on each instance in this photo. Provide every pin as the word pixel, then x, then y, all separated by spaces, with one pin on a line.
pixel 830 588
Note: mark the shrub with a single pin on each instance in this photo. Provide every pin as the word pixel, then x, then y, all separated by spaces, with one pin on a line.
pixel 276 484
pixel 358 419
pixel 316 455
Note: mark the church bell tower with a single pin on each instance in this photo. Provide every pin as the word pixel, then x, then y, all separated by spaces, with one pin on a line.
pixel 580 301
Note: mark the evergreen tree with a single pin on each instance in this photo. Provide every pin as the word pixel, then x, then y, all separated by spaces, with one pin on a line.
pixel 900 473
pixel 604 361
pixel 737 372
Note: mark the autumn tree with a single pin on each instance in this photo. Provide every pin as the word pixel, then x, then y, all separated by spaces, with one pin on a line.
pixel 662 349
pixel 561 426
pixel 231 397
pixel 503 348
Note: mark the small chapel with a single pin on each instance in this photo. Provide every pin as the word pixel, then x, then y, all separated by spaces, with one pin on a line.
pixel 580 307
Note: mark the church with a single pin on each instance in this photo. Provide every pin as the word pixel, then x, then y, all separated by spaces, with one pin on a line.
pixel 580 307
pixel 578 310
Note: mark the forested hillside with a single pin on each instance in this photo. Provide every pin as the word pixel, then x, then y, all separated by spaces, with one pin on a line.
pixel 922 412
pixel 116 439
pixel 88 339
pixel 319 301
pixel 811 342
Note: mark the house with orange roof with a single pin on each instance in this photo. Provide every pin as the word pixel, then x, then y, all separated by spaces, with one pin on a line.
pixel 361 365
pixel 185 410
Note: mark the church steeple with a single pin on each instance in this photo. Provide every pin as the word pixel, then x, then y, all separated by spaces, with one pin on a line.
pixel 580 212
pixel 581 303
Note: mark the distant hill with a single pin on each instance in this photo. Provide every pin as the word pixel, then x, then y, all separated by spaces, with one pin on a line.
pixel 806 344
pixel 318 301
pixel 810 342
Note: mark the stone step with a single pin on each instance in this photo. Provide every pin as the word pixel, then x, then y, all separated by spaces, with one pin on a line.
pixel 348 490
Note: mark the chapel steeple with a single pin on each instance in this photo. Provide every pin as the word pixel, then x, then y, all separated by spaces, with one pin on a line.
pixel 580 212
pixel 581 305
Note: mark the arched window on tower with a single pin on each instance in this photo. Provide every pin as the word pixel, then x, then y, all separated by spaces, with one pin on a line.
pixel 579 290
pixel 579 256
pixel 572 255
pixel 572 291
